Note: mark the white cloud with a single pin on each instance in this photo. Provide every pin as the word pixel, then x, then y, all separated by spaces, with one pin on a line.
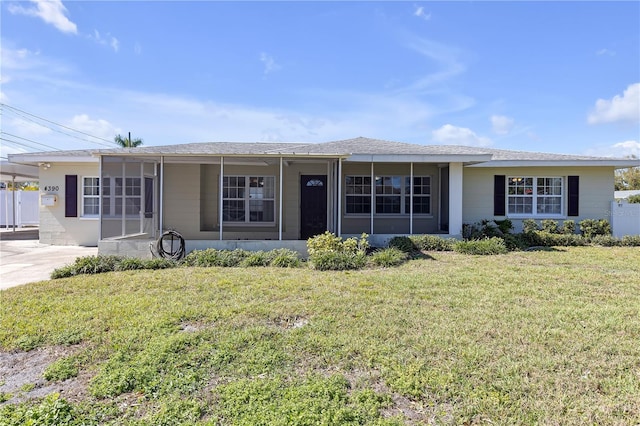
pixel 107 40
pixel 101 128
pixel 619 150
pixel 606 52
pixel 50 11
pixel 625 108
pixel 420 13
pixel 270 64
pixel 454 135
pixel 501 124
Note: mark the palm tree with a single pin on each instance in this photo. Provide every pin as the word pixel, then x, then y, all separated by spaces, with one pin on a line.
pixel 127 142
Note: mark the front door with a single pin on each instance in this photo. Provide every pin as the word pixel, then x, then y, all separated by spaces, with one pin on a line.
pixel 313 205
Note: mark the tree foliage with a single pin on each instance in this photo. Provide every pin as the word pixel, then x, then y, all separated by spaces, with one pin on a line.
pixel 126 142
pixel 628 179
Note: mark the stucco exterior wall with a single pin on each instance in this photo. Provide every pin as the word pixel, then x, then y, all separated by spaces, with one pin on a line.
pixel 595 193
pixel 55 228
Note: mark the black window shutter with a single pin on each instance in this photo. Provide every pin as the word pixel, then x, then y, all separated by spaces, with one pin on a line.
pixel 574 190
pixel 71 196
pixel 499 195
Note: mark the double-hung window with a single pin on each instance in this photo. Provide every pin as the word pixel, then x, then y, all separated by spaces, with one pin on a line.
pixel 248 199
pixel 121 193
pixel 392 194
pixel 90 196
pixel 534 196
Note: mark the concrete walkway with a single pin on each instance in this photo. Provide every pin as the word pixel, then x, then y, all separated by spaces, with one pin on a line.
pixel 24 260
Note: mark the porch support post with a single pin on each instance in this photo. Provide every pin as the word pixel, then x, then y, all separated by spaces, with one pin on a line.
pixel 280 204
pixel 124 199
pixel 100 187
pixel 13 200
pixel 455 199
pixel 373 199
pixel 220 207
pixel 339 233
pixel 143 196
pixel 411 199
pixel 161 213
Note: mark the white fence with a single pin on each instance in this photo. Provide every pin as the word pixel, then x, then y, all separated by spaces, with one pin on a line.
pixel 625 218
pixel 26 211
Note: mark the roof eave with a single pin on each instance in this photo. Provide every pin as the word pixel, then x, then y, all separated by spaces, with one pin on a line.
pixel 419 158
pixel 35 160
pixel 617 164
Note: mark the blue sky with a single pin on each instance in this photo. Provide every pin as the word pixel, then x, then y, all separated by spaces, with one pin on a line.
pixel 538 76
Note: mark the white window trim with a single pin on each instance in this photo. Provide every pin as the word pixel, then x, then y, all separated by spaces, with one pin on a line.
pixel 247 202
pixel 534 206
pixel 403 196
pixel 84 197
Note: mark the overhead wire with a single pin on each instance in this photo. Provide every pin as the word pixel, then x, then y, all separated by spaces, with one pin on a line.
pixel 32 141
pixel 26 116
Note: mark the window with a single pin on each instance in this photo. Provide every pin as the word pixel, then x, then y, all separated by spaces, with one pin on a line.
pixel 248 199
pixel 534 196
pixel 392 194
pixel 358 194
pixel 119 193
pixel 90 196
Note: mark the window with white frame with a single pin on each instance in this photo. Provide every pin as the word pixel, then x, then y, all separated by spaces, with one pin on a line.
pixel 90 196
pixel 248 199
pixel 392 194
pixel 534 196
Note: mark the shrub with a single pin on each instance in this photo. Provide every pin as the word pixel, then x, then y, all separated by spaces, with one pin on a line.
pixel 129 264
pixel 605 241
pixel 432 243
pixel 337 261
pixel 160 263
pixel 630 241
pixel 529 225
pixel 634 199
pixel 549 225
pixel 487 246
pixel 388 257
pixel 88 265
pixel 483 229
pixel 569 227
pixel 258 258
pixel 592 227
pixel 329 252
pixel 213 257
pixel 284 258
pixel 547 239
pixel 402 243
pixel 516 242
pixel 506 226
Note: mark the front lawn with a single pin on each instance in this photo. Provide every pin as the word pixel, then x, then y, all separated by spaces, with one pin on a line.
pixel 542 337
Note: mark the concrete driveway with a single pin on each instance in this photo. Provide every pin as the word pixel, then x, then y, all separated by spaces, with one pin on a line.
pixel 24 260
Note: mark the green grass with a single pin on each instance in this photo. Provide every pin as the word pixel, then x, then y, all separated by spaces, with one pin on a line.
pixel 545 337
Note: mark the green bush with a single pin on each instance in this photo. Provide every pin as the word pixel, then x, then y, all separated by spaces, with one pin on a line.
pixel 506 226
pixel 337 261
pixel 515 242
pixel 630 241
pixel 432 243
pixel 592 227
pixel 487 246
pixel 388 257
pixel 88 265
pixel 284 258
pixel 606 241
pixel 213 257
pixel 402 243
pixel 329 252
pixel 129 264
pixel 547 239
pixel 634 199
pixel 549 225
pixel 529 225
pixel 258 258
pixel 569 227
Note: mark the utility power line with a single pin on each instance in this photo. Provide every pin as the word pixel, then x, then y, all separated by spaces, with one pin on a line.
pixel 27 116
pixel 32 141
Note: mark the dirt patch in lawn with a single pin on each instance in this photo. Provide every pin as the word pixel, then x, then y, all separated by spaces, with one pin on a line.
pixel 22 376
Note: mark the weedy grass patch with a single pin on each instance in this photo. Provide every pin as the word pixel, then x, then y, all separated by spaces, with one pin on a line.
pixel 543 337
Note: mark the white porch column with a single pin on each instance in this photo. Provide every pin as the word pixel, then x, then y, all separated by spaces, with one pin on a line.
pixel 455 199
pixel 339 197
pixel 220 198
pixel 280 206
pixel 100 195
pixel 161 208
pixel 411 199
pixel 373 198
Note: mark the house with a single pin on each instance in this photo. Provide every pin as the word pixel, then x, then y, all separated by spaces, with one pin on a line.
pixel 265 195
